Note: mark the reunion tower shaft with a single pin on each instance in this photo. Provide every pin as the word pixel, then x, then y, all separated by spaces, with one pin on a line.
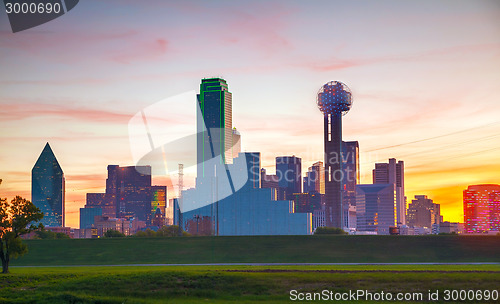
pixel 334 100
pixel 333 170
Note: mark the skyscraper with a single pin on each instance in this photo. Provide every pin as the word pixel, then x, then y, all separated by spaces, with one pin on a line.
pixel 236 143
pixel 350 159
pixel 158 199
pixel 494 206
pixel 314 181
pixel 422 212
pixel 228 198
pixel 87 216
pixel 132 190
pixel 481 208
pixel 375 208
pixel 393 173
pixel 107 202
pixel 289 172
pixel 214 125
pixel 129 194
pixel 47 188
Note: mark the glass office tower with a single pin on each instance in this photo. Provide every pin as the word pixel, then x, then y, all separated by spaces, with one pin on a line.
pixel 214 125
pixel 47 188
pixel 375 208
pixel 289 172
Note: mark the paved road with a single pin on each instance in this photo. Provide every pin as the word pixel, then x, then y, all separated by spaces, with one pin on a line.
pixel 267 264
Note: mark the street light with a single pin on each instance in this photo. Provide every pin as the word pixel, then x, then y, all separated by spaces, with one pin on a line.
pixel 197 217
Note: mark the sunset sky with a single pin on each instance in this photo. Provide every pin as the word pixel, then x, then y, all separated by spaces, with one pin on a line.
pixel 425 77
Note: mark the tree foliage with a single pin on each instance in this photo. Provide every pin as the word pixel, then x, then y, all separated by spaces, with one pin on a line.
pixel 16 218
pixel 165 231
pixel 329 230
pixel 113 233
pixel 50 235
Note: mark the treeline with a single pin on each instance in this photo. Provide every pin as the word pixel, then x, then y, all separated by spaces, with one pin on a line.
pixel 165 231
pixel 49 235
pixel 329 230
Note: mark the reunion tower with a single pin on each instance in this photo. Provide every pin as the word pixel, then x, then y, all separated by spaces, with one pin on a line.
pixel 334 100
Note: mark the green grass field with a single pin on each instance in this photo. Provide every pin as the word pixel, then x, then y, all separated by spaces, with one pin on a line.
pixel 262 249
pixel 231 284
pixel 245 284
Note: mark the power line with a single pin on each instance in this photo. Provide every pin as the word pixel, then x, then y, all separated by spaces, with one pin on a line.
pixel 457 156
pixel 435 137
pixel 439 149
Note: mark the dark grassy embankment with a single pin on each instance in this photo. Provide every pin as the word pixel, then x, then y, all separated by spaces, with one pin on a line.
pixel 263 249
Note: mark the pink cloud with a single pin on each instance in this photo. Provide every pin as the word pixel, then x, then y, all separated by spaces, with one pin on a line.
pixel 38 41
pixel 141 51
pixel 64 81
pixel 124 46
pixel 339 64
pixel 262 31
pixel 17 111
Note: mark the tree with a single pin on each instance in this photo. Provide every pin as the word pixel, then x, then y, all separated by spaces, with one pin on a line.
pixel 113 233
pixel 329 230
pixel 170 231
pixel 16 218
pixel 49 235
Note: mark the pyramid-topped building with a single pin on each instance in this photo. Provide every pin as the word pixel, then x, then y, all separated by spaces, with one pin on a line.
pixel 47 188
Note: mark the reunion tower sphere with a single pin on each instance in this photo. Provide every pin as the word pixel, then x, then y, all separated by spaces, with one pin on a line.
pixel 334 97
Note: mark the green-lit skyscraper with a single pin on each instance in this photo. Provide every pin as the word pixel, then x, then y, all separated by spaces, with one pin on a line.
pixel 214 125
pixel 47 188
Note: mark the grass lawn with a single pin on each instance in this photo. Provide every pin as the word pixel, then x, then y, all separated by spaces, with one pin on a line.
pixel 245 284
pixel 230 284
pixel 262 249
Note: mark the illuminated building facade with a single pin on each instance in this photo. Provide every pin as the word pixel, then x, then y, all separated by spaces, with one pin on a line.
pixel 494 206
pixel 129 194
pixel 158 219
pixel 47 188
pixel 158 199
pixel 481 208
pixel 107 203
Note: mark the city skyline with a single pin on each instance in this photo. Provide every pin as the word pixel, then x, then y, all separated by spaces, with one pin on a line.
pixel 424 84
